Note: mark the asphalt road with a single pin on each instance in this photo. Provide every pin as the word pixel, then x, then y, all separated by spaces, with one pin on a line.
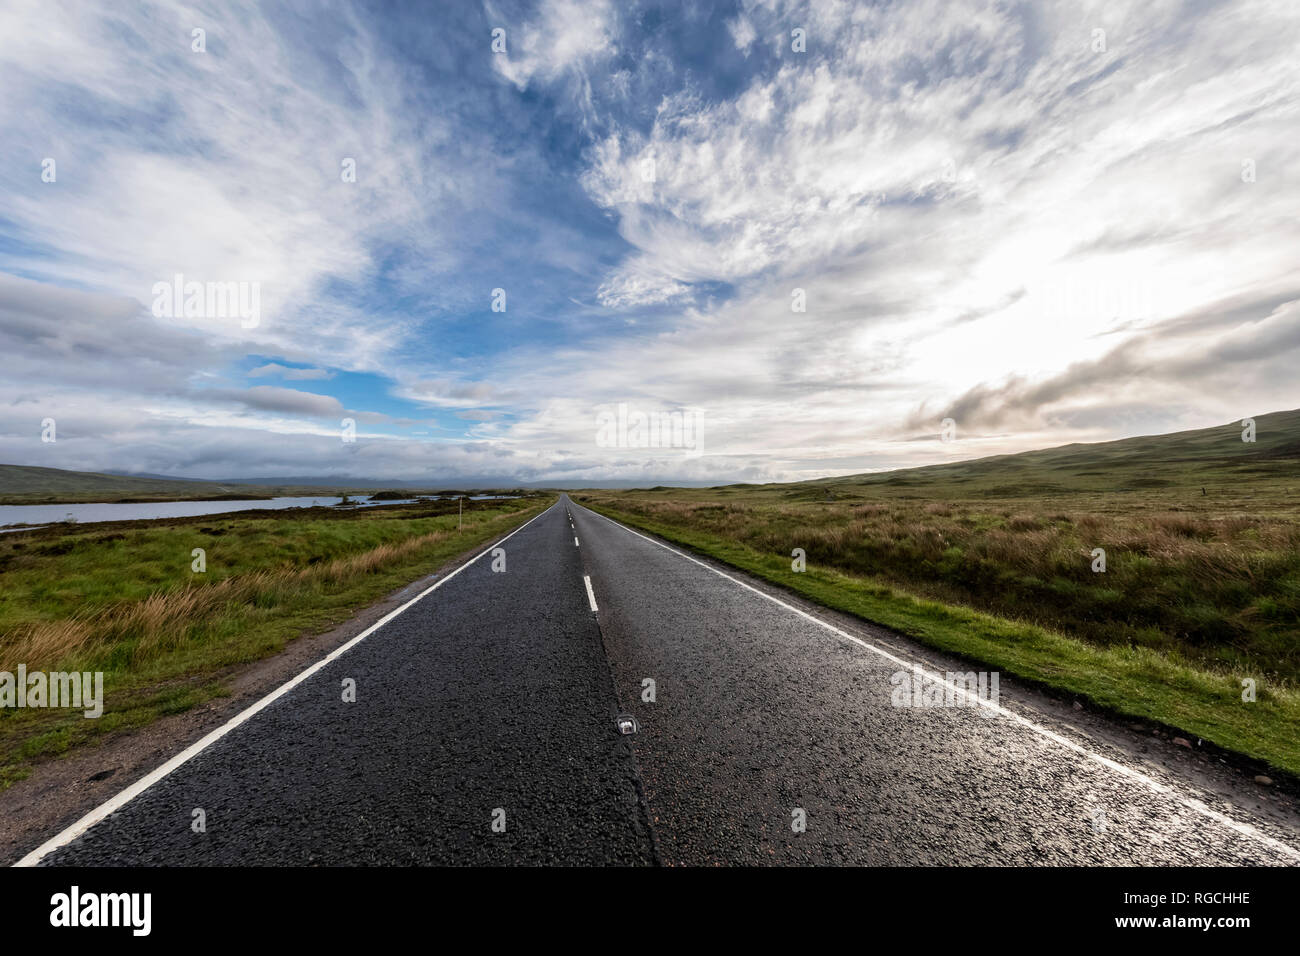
pixel 483 732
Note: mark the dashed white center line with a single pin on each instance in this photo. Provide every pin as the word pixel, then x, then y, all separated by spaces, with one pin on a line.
pixel 575 543
pixel 591 595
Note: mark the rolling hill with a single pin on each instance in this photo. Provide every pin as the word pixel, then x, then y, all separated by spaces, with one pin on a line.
pixel 1188 460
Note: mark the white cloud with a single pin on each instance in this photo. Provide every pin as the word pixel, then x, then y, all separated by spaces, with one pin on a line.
pixel 742 33
pixel 565 35
pixel 226 165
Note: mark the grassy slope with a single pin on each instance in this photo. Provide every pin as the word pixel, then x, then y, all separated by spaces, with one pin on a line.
pixel 124 600
pixel 1182 461
pixel 20 482
pixel 991 559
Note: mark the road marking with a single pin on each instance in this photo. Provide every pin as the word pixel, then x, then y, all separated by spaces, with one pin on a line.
pixel 591 595
pixel 575 542
pixel 1244 829
pixel 144 783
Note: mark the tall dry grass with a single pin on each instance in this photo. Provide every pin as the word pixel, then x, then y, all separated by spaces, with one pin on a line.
pixel 167 619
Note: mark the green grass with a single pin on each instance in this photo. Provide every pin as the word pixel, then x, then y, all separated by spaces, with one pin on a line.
pixel 124 600
pixel 993 560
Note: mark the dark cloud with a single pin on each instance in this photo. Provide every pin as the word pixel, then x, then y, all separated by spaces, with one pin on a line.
pixel 49 334
pixel 1259 341
pixel 269 398
pixel 290 374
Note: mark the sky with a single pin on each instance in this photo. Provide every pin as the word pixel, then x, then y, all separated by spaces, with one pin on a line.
pixel 587 241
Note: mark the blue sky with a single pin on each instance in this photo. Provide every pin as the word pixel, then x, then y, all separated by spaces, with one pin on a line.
pixel 1049 222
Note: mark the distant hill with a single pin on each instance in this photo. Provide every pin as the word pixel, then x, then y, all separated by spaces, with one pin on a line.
pixel 57 484
pixel 21 484
pixel 1190 459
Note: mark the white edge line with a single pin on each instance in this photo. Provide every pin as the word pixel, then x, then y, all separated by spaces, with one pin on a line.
pixel 1244 829
pixel 591 595
pixel 144 783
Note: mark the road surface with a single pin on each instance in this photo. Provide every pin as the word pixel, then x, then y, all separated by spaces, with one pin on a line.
pixel 483 731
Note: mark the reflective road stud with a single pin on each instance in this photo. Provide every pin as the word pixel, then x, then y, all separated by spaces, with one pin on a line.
pixel 626 724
